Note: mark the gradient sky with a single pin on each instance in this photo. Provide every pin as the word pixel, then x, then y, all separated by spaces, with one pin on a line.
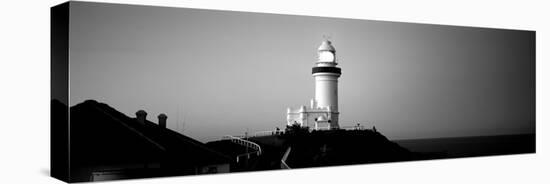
pixel 219 72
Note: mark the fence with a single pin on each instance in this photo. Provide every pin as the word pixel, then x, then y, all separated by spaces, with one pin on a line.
pixel 283 160
pixel 237 140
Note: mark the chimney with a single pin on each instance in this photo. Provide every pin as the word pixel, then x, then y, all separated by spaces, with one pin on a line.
pixel 141 116
pixel 162 120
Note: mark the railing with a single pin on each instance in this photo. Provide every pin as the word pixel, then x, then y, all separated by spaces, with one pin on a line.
pixel 264 133
pixel 283 160
pixel 249 144
pixel 361 127
pixel 275 132
pixel 268 132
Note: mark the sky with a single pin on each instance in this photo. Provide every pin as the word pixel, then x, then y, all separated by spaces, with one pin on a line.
pixel 216 73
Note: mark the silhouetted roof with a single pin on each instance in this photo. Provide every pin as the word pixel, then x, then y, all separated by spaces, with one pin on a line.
pixel 103 134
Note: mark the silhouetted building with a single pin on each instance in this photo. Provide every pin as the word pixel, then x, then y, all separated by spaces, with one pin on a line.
pixel 106 144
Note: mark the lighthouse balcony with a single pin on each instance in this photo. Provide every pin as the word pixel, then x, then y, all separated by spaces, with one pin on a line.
pixel 325 69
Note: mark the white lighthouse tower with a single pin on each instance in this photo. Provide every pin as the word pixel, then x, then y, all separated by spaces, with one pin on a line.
pixel 326 76
pixel 323 111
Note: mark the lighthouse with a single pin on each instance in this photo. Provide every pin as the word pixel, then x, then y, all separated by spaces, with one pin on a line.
pixel 326 76
pixel 322 112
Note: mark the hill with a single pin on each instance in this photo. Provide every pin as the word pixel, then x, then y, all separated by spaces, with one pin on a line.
pixel 321 148
pixel 337 147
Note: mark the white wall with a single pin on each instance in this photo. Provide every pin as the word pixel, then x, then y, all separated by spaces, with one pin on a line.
pixel 326 90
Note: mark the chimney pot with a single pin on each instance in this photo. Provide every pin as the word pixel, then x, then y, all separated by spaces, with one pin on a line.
pixel 162 120
pixel 141 116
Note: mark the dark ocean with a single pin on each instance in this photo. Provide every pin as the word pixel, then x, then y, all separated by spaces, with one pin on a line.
pixel 471 146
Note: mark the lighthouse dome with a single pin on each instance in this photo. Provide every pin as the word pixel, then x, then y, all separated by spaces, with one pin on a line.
pixel 326 46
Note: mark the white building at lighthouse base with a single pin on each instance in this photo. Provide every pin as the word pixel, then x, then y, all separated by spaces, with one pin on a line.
pixel 313 117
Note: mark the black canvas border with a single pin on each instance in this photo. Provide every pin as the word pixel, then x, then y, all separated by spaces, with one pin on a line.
pixel 59 68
